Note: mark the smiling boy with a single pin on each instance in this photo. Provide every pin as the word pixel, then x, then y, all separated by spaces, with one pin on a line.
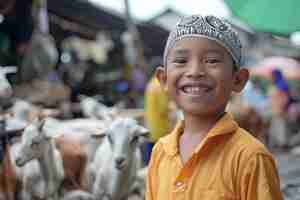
pixel 207 156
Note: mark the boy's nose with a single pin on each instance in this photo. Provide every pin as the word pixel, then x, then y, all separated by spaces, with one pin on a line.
pixel 196 69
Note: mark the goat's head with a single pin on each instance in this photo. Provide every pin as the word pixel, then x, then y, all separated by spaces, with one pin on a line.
pixel 123 135
pixel 34 143
pixel 88 105
pixel 22 109
pixel 5 87
pixel 91 107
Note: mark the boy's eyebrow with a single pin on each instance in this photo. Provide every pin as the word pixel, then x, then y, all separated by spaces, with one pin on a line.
pixel 215 51
pixel 181 51
pixel 186 51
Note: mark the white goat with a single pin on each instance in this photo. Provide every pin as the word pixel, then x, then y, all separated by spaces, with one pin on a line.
pixel 5 87
pixel 6 90
pixel 22 114
pixel 93 109
pixel 117 160
pixel 44 173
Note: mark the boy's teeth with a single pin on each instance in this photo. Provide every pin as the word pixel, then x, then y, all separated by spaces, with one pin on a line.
pixel 192 90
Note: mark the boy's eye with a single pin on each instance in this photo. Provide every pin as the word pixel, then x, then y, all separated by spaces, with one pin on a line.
pixel 180 60
pixel 212 61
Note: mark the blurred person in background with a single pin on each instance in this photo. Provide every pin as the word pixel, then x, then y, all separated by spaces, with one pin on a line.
pixel 281 100
pixel 17 23
pixel 160 114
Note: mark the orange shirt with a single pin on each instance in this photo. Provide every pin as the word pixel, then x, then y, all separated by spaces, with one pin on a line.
pixel 228 164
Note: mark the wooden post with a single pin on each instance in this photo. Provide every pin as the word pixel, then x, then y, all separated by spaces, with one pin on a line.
pixel 137 42
pixel 40 16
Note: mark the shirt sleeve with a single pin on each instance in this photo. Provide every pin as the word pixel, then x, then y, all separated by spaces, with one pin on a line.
pixel 151 180
pixel 259 179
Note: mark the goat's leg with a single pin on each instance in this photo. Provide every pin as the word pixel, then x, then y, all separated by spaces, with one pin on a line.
pixel 90 173
pixel 99 187
pixel 54 196
pixel 26 192
pixel 26 195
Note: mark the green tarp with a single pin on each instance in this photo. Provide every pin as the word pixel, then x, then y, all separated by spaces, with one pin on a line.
pixel 275 16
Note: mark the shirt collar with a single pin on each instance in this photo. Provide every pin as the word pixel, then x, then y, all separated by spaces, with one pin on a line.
pixel 225 125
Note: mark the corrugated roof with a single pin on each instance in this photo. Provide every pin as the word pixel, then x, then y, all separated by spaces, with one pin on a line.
pixel 98 18
pixel 87 14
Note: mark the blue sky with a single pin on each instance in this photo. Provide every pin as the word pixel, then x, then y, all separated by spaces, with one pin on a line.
pixel 145 9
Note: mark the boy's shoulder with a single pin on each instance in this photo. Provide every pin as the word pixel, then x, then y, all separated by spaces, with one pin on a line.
pixel 166 141
pixel 245 143
pixel 229 136
pixel 239 142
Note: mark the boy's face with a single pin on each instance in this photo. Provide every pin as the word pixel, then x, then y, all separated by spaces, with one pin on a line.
pixel 200 76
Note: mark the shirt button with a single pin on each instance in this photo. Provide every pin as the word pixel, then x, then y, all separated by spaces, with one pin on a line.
pixel 179 184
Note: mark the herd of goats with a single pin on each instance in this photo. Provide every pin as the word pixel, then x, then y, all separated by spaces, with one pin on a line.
pixel 92 158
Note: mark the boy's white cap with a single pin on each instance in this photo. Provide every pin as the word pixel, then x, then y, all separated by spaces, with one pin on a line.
pixel 209 27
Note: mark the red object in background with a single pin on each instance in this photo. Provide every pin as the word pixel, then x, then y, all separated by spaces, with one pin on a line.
pixel 289 67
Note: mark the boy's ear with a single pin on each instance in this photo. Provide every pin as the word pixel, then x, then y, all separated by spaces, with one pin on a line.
pixel 161 76
pixel 241 78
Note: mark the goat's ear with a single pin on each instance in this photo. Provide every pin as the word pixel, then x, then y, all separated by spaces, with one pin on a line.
pixel 41 116
pixel 142 131
pixel 119 105
pixel 99 134
pixel 98 97
pixel 81 97
pixel 41 124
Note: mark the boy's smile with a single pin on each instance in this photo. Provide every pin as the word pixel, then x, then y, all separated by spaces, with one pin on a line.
pixel 199 76
pixel 194 89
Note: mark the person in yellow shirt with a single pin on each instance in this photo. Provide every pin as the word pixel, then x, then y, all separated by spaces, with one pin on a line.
pixel 207 156
pixel 157 113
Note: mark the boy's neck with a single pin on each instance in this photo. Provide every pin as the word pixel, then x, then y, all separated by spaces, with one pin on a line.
pixel 200 125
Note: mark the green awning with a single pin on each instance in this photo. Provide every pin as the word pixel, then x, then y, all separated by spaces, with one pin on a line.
pixel 274 16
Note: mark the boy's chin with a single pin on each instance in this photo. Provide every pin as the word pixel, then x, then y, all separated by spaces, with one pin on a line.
pixel 198 111
pixel 201 111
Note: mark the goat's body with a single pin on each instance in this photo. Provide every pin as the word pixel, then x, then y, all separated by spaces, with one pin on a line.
pixel 74 161
pixel 42 177
pixel 43 171
pixel 80 131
